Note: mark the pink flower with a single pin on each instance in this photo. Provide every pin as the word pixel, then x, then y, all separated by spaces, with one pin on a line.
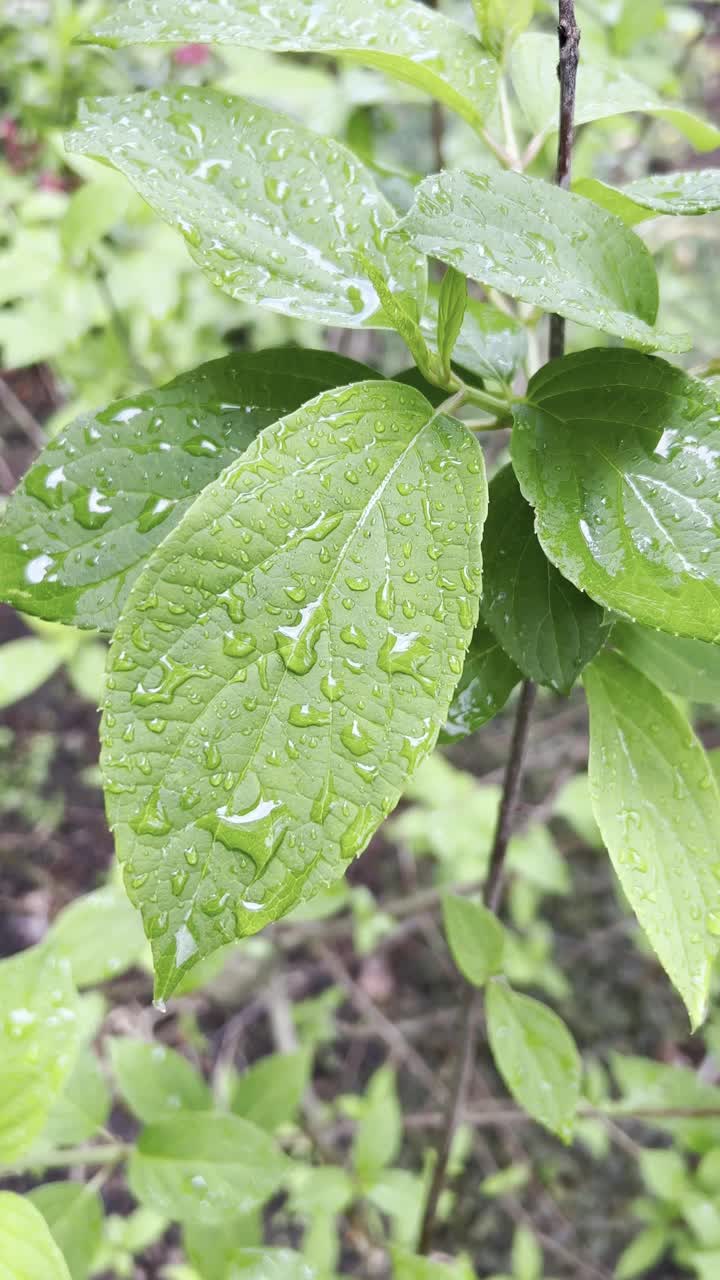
pixel 191 55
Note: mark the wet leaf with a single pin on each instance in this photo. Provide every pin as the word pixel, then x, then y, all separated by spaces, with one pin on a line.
pixel 285 661
pixel 112 485
pixel 687 668
pixel 27 1248
pixel 488 678
pixel 548 627
pixel 273 213
pixel 535 1055
pixel 618 453
pixel 688 194
pixel 475 937
pixel 74 1214
pixel 155 1081
pixel 399 37
pixel 491 344
pixel 542 245
pixel 657 804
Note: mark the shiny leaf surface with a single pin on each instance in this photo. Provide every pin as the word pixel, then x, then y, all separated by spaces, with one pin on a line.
pixel 687 194
pixel 156 1081
pixel 488 678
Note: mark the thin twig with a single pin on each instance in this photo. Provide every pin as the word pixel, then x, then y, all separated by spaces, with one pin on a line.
pixel 569 37
pixel 21 416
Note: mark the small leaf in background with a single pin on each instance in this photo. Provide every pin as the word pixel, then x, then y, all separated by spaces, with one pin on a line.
pixel 74 1214
pixel 211 1248
pixel 71 542
pixel 100 934
pixel 39 1037
pixel 308 641
pixel 526 1255
pixel 86 670
pixel 642 1253
pixel 26 664
pixel 93 210
pixel 658 808
pixel 687 668
pixel 573 803
pixel 156 1081
pixel 82 1108
pixel 675 1094
pixel 536 1057
pixel 488 678
pixel 270 1264
pixel 398 37
pixel 410 1266
pixel 273 213
pixel 27 1249
pixel 542 245
pixel 490 344
pixel 270 1091
pixel 548 627
pixel 475 936
pixel 500 22
pixel 452 301
pixel 378 1135
pixel 618 452
pixel 686 194
pixel 204 1167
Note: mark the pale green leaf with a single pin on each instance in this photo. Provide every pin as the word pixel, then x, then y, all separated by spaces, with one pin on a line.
pixel 527 1258
pixel 82 1108
pixel 491 344
pixel 74 1214
pixel 657 805
pixel 642 1253
pixel 603 91
pixel 273 213
pixel 548 627
pixel 488 678
pixel 25 665
pixel 475 937
pixel 399 37
pixel 688 194
pixel 270 1091
pixel 86 670
pixel 27 1249
pixel 100 934
pixel 112 485
pixel 410 1266
pixel 500 22
pixel 536 1057
pixel 284 665
pixel 574 803
pixel 617 452
pixel 155 1081
pixel 269 1264
pixel 542 245
pixel 204 1167
pixel 452 301
pixel 211 1248
pixel 93 210
pixel 668 1092
pixel 39 1037
pixel 687 668
pixel 378 1135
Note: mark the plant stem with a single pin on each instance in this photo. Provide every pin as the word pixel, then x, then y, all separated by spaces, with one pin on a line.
pixel 569 37
pixel 106 1153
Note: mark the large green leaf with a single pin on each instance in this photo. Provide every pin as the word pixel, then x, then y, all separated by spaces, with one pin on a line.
pixel 687 668
pixel 399 37
pixel 273 213
pixel 488 678
pixel 658 808
pixel 39 1037
pixel 107 490
pixel 74 1214
pixel 548 627
pixel 688 193
pixel 205 1167
pixel 27 1249
pixel 156 1081
pixel 618 453
pixel 285 661
pixel 542 245
pixel 603 90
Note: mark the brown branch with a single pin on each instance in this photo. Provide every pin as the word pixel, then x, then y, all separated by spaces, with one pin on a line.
pixel 569 37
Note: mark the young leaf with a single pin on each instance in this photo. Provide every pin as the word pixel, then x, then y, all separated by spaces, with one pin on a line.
pixel 378 1136
pixel 112 485
pixel 687 194
pixel 548 627
pixel 269 1093
pixel 542 245
pixel 490 344
pixel 204 1167
pixel 74 1214
pixel 452 301
pixel 475 937
pixel 500 22
pixel 39 1037
pixel 398 37
pixel 617 452
pixel 687 668
pixel 155 1081
pixel 284 665
pixel 536 1057
pixel 27 1249
pixel 658 808
pixel 100 935
pixel 273 213
pixel 488 678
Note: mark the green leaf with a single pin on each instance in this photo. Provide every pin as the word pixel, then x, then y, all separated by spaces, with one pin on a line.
pixel 574 803
pixel 27 1249
pixel 488 678
pixel 542 245
pixel 500 22
pixel 378 1136
pixel 527 1258
pixel 204 1167
pixel 687 668
pixel 39 1036
pixel 399 37
pixel 617 453
pixel 211 1248
pixel 86 670
pixel 155 1081
pixel 270 1264
pixel 666 1091
pixel 536 1057
pixel 100 935
pixel 112 485
pixel 269 1093
pixel 273 213
pixel 284 665
pixel 491 344
pixel 25 665
pixel 93 210
pixel 475 936
pixel 548 627
pixel 642 1253
pixel 409 1266
pixel 452 301
pixel 82 1108
pixel 74 1214
pixel 688 194
pixel 658 808
pixel 602 91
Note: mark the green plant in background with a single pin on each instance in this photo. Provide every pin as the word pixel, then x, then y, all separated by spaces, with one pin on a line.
pixel 307 580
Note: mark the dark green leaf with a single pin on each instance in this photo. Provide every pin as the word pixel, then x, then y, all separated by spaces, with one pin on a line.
pixel 618 453
pixel 112 485
pixel 74 1214
pixel 27 1249
pixel 269 1093
pixel 688 194
pixel 475 937
pixel 488 678
pixel 452 301
pixel 687 668
pixel 155 1081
